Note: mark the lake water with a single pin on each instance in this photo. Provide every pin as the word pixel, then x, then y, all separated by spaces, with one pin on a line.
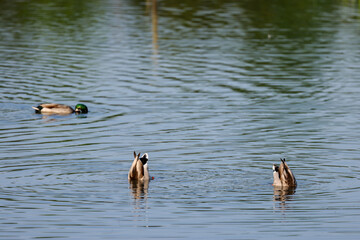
pixel 214 91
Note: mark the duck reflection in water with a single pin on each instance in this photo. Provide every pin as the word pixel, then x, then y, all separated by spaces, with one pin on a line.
pixel 283 194
pixel 139 189
pixel 284 182
pixel 139 192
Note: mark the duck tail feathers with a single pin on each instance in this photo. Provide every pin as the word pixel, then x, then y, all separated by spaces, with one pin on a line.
pixel 144 159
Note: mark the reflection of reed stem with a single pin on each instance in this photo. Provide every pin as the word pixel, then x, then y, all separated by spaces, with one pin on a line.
pixel 151 8
pixel 154 22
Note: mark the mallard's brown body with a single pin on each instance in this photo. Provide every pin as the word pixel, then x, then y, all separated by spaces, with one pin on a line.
pixel 60 109
pixel 139 168
pixel 283 176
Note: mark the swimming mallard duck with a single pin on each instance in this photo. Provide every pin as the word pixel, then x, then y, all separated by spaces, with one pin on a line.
pixel 139 168
pixel 61 109
pixel 283 177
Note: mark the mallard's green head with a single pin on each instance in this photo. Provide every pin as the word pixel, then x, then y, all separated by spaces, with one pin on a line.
pixel 38 109
pixel 81 108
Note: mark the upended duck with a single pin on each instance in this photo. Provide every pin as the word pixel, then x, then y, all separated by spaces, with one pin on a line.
pixel 283 177
pixel 60 109
pixel 139 168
